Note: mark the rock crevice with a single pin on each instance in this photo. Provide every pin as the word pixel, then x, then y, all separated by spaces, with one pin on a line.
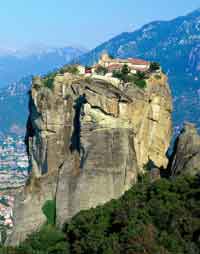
pixel 88 141
pixel 186 155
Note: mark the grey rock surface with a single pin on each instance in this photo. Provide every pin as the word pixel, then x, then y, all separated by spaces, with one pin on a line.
pixel 186 156
pixel 87 141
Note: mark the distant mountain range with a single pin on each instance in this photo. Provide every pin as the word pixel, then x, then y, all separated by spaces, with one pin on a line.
pixel 175 45
pixel 14 107
pixel 17 64
pixel 16 71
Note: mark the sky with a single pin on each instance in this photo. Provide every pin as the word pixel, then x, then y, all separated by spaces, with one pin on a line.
pixel 86 23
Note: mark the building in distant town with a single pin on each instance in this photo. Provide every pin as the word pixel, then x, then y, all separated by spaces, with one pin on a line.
pixel 6 210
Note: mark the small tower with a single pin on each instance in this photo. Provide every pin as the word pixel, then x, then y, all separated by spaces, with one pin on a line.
pixel 105 59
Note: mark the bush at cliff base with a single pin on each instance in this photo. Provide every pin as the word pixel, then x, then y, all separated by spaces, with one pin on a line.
pixel 158 218
pixel 49 210
pixel 47 240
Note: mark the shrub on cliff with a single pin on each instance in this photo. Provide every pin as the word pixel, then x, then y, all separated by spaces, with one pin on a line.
pixel 48 240
pixel 138 79
pixel 49 79
pixel 101 70
pixel 140 83
pixel 140 75
pixel 154 66
pixel 49 210
pixel 70 69
pixel 117 74
pixel 122 74
pixel 126 76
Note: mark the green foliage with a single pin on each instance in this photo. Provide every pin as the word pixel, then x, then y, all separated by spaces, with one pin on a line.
pixel 101 70
pixel 3 232
pixel 137 79
pixel 4 201
pixel 157 77
pixel 126 76
pixel 140 75
pixel 161 218
pixel 48 240
pixel 125 73
pixel 49 210
pixel 125 70
pixel 69 68
pixel 140 83
pixel 117 74
pixel 88 80
pixel 11 250
pixel 154 66
pixel 122 74
pixel 49 79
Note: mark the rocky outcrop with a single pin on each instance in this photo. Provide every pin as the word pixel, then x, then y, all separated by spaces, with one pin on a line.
pixel 87 141
pixel 186 155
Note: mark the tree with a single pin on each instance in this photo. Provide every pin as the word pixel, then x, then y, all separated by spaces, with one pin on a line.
pixel 101 70
pixel 117 74
pixel 160 217
pixel 48 240
pixel 69 68
pixel 141 75
pixel 125 70
pixel 48 80
pixel 154 66
pixel 123 74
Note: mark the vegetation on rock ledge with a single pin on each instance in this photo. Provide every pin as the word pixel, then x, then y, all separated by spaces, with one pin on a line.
pixel 126 76
pixel 49 79
pixel 70 69
pixel 161 218
pixel 154 66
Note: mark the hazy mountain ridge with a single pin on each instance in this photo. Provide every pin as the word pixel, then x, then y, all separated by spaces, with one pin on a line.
pixel 14 106
pixel 16 64
pixel 160 40
pixel 176 45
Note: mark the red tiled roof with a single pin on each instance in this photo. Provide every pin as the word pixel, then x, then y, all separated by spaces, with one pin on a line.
pixel 114 67
pixel 137 61
pixel 139 68
pixel 119 60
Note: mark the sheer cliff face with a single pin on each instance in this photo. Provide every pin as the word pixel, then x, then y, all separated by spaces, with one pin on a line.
pixel 186 155
pixel 88 140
